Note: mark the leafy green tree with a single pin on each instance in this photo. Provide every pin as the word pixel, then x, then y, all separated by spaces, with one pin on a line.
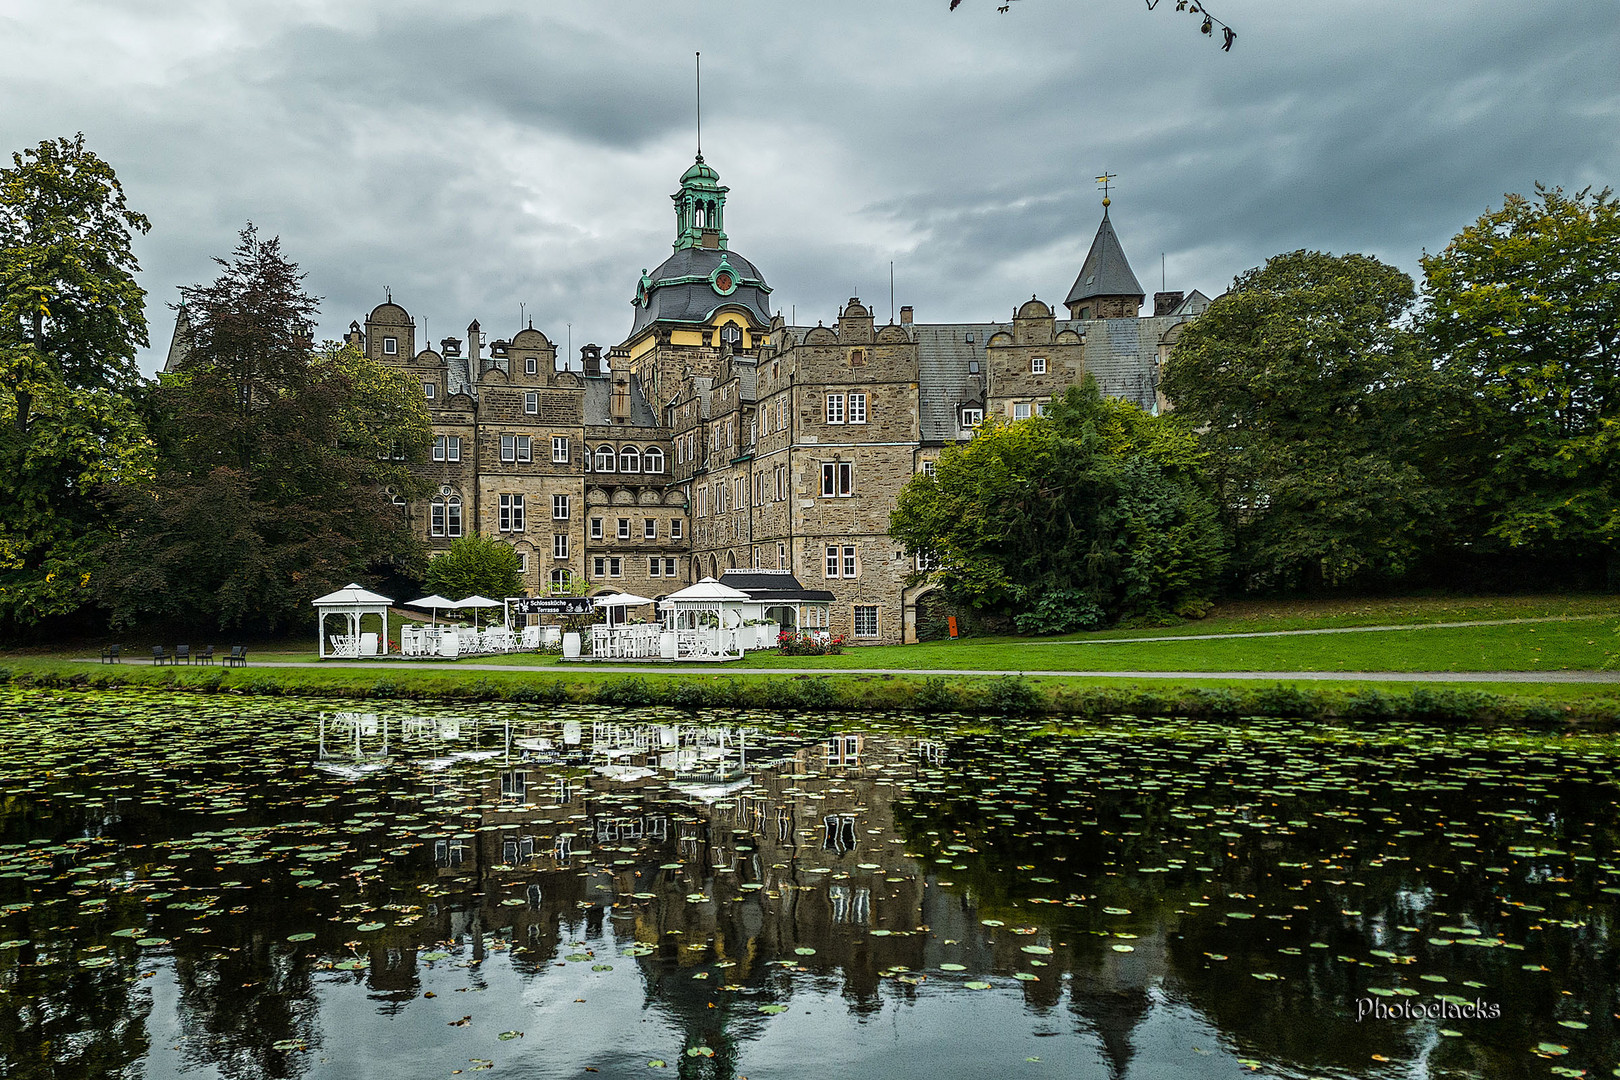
pixel 1091 514
pixel 71 319
pixel 476 564
pixel 1313 404
pixel 1524 315
pixel 281 463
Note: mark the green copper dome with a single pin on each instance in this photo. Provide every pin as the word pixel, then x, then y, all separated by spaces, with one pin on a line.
pixel 700 171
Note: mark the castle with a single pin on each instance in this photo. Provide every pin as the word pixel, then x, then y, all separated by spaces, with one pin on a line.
pixel 716 437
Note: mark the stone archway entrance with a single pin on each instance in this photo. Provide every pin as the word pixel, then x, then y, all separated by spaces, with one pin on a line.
pixel 923 611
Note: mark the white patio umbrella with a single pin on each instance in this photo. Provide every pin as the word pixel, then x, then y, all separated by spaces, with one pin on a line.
pixel 619 601
pixel 434 602
pixel 475 601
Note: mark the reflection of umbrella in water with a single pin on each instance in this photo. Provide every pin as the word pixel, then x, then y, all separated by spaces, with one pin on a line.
pixel 619 602
pixel 435 602
pixel 476 601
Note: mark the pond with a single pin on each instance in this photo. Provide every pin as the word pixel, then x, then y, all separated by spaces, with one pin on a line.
pixel 239 887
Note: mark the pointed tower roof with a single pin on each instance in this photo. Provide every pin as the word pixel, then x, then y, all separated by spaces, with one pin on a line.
pixel 1106 271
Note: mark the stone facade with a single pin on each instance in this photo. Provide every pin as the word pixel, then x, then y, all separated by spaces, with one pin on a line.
pixel 717 437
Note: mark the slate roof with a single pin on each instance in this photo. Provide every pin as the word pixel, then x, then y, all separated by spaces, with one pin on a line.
pixel 671 299
pixel 943 379
pixel 773 585
pixel 599 403
pixel 1106 271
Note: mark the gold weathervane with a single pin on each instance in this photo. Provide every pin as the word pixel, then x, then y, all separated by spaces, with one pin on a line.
pixel 1103 180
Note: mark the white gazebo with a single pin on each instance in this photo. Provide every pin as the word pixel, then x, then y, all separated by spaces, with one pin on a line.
pixel 352 604
pixel 706 619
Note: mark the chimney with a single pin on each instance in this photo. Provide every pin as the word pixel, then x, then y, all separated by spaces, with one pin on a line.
pixel 620 409
pixel 450 346
pixel 355 337
pixel 906 315
pixel 590 357
pixel 475 342
pixel 1165 303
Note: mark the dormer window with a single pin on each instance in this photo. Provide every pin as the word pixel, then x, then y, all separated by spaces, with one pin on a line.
pixel 530 365
pixel 972 418
pixel 429 390
pixel 390 346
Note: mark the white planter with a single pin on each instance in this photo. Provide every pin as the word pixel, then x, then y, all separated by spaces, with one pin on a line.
pixel 368 644
pixel 668 645
pixel 570 643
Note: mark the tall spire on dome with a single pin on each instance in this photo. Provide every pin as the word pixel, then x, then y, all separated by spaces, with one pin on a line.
pixel 700 205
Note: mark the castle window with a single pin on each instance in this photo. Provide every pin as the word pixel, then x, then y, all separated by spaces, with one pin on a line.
pixel 669 568
pixel 676 529
pixel 653 460
pixel 837 479
pixel 523 562
pixel 1021 410
pixel 391 346
pixel 436 528
pixel 972 418
pixel 857 408
pixel 835 408
pixel 511 513
pixel 428 390
pixel 1037 366
pixel 649 529
pixel 841 561
pixel 928 468
pixel 655 567
pixel 629 460
pixel 866 620
pixel 531 403
pixel 781 556
pixel 596 528
pixel 604 459
pixel 559 449
pixel 559 508
pixel 452 448
pixel 438 448
pixel 561 579
pixel 559 546
pixel 624 528
pixel 615 566
pixel 525 448
pixel 530 366
pixel 453 516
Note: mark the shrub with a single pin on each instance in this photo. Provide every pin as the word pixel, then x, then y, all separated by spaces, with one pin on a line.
pixel 1012 695
pixel 937 695
pixel 791 643
pixel 1204 703
pixel 550 693
pixel 388 688
pixel 630 690
pixel 1287 701
pixel 1369 705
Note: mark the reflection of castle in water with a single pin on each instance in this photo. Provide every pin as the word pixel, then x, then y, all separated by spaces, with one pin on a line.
pixel 725 849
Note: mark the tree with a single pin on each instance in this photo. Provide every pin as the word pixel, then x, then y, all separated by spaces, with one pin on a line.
pixel 1207 23
pixel 71 319
pixel 285 468
pixel 1094 513
pixel 476 565
pixel 1313 404
pixel 1524 315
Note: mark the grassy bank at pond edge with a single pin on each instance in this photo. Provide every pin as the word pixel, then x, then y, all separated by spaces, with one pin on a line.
pixel 838 691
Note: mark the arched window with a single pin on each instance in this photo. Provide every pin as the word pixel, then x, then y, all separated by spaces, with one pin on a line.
pixel 629 459
pixel 453 516
pixel 561 580
pixel 604 459
pixel 653 462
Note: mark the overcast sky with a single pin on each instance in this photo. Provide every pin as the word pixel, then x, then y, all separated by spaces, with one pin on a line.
pixel 480 156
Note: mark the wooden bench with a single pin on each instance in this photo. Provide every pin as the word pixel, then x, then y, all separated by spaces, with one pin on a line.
pixel 109 654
